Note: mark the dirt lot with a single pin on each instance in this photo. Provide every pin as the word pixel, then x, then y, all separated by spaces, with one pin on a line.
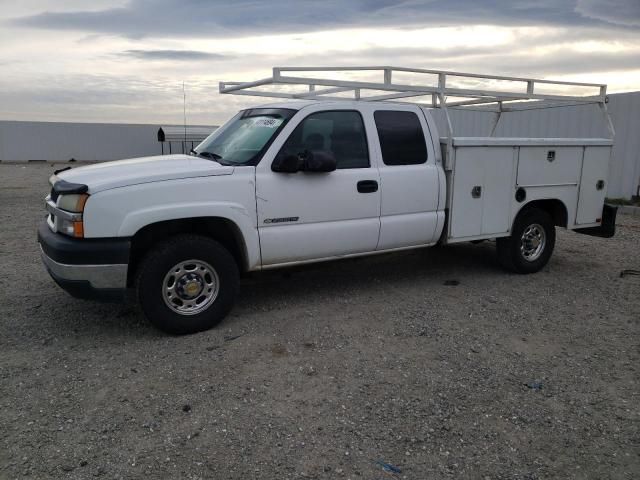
pixel 324 371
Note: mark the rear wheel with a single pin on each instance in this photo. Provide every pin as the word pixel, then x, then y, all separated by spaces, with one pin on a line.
pixel 531 243
pixel 187 283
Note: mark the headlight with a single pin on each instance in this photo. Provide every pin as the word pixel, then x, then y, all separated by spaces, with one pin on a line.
pixel 73 203
pixel 69 215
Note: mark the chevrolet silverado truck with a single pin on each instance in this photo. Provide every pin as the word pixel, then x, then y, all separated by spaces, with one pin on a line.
pixel 307 181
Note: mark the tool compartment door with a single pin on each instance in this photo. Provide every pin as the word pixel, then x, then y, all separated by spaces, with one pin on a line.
pixel 549 165
pixel 482 186
pixel 593 184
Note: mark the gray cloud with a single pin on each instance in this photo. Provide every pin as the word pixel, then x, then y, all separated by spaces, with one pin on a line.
pixel 216 18
pixel 173 55
pixel 516 62
pixel 621 12
pixel 117 98
pixel 562 62
pixel 143 89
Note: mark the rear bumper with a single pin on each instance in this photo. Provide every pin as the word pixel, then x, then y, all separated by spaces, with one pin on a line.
pixel 86 268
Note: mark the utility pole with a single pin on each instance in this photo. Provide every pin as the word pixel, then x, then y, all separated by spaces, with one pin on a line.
pixel 184 116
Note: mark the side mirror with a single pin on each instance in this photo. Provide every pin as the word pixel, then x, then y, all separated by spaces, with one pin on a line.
pixel 319 161
pixel 286 164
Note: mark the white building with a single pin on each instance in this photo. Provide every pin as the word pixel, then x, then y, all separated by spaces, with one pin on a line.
pixel 51 141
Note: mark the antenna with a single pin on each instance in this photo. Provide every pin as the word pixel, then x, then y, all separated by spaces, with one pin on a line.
pixel 184 114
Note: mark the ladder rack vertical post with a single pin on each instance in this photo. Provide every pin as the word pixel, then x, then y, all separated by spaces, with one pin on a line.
pixel 605 111
pixel 442 84
pixel 607 119
pixel 497 119
pixel 442 81
pixel 387 76
pixel 603 92
pixel 443 106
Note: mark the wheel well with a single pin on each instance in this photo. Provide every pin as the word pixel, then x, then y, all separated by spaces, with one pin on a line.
pixel 220 229
pixel 555 208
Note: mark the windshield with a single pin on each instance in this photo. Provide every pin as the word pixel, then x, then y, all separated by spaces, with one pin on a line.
pixel 244 138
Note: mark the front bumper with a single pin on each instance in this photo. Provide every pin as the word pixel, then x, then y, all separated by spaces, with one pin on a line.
pixel 86 268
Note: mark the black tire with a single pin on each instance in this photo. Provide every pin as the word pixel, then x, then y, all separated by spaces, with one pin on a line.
pixel 158 263
pixel 510 249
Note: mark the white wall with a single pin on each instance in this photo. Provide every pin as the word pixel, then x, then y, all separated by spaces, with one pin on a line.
pixel 53 141
pixel 567 122
pixel 23 141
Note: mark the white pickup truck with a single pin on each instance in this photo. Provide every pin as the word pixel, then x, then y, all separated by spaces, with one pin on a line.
pixel 307 181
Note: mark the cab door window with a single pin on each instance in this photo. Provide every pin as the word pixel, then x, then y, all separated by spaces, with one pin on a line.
pixel 340 133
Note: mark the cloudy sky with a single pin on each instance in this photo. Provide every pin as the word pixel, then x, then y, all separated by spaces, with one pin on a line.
pixel 125 60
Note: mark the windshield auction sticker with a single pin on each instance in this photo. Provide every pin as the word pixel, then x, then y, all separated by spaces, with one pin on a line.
pixel 266 122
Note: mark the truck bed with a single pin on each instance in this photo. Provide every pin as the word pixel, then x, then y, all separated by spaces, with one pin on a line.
pixel 490 178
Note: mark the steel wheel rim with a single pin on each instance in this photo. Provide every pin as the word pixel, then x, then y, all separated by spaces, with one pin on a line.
pixel 190 287
pixel 533 242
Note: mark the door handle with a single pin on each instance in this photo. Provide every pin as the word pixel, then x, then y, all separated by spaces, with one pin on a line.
pixel 367 186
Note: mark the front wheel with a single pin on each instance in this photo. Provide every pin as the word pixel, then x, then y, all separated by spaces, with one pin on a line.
pixel 531 243
pixel 187 284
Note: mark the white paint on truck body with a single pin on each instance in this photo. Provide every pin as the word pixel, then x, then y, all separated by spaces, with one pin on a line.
pixel 124 173
pixel 289 218
pixel 411 207
pixel 332 218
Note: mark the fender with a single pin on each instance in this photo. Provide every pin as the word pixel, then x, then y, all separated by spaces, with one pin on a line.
pixel 554 205
pixel 234 212
pixel 137 219
pixel 122 212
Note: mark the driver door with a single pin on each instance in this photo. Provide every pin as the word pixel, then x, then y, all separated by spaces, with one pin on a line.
pixel 308 216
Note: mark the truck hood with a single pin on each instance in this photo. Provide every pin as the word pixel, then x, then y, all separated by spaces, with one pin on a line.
pixel 122 173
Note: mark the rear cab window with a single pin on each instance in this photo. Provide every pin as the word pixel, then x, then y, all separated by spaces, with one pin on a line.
pixel 401 137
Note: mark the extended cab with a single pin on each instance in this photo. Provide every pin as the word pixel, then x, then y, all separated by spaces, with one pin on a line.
pixel 308 181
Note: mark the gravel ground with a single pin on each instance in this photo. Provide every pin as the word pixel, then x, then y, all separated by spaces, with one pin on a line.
pixel 322 372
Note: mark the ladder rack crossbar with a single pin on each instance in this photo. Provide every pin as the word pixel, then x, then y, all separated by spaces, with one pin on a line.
pixel 436 87
pixel 278 70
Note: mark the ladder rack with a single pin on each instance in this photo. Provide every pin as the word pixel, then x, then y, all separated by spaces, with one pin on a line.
pixel 437 86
